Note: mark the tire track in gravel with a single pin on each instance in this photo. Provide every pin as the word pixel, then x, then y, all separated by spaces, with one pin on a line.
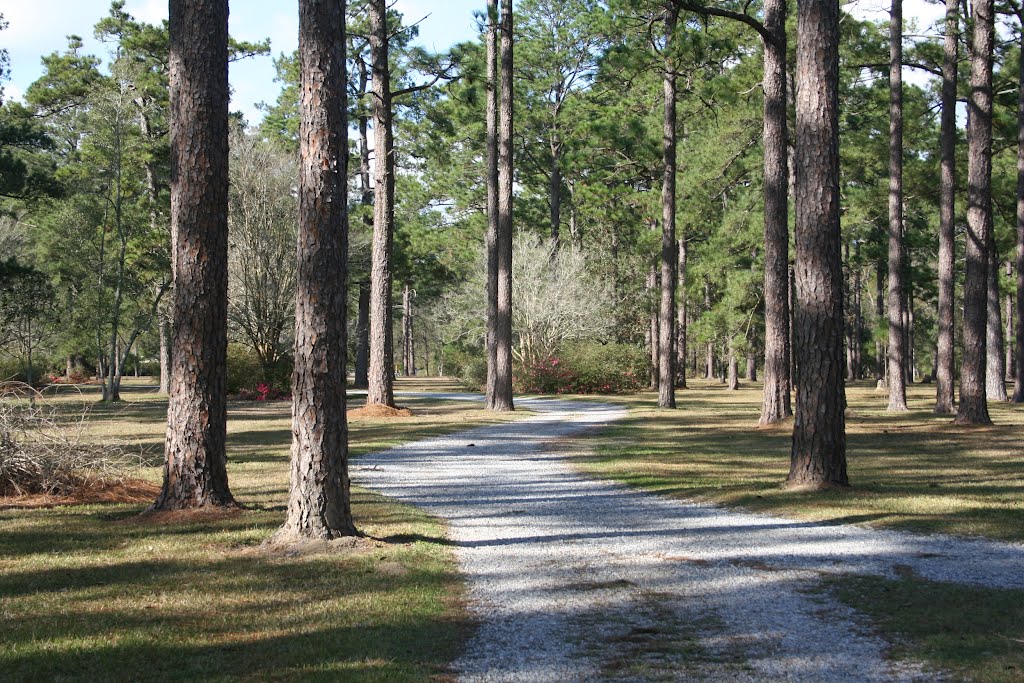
pixel 577 579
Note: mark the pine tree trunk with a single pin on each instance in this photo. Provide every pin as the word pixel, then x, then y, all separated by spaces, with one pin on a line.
pixel 776 403
pixel 164 326
pixel 1018 370
pixel 503 326
pixel 734 374
pixel 195 470
pixel 819 431
pixel 944 375
pixel 751 366
pixel 555 189
pixel 408 340
pixel 1008 319
pixel 361 380
pixel 653 327
pixel 666 338
pixel 681 351
pixel 973 407
pixel 880 364
pixel 492 198
pixel 381 389
pixel 858 316
pixel 896 355
pixel 319 503
pixel 995 372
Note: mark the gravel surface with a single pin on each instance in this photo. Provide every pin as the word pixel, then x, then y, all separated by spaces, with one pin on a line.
pixel 576 579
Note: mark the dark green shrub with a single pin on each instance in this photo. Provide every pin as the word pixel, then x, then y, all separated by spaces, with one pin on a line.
pixel 244 369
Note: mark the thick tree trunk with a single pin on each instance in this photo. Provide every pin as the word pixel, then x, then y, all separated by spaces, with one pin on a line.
pixel 503 326
pixel 492 198
pixel 195 470
pixel 381 389
pixel 995 372
pixel 973 407
pixel 666 338
pixel 819 430
pixel 775 400
pixel 681 351
pixel 319 504
pixel 751 366
pixel 944 370
pixel 408 340
pixel 896 355
pixel 362 371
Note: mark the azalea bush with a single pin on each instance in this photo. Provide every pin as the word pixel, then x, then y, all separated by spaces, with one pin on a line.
pixel 265 392
pixel 250 381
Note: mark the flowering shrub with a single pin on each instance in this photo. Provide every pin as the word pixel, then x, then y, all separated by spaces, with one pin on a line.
pixel 585 369
pixel 264 392
pixel 76 377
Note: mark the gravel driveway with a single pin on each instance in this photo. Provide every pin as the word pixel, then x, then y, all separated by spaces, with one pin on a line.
pixel 576 579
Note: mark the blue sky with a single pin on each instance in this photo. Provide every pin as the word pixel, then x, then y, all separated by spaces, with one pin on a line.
pixel 38 27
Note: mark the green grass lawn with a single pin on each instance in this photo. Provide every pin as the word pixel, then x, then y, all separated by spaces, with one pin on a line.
pixel 98 592
pixel 912 470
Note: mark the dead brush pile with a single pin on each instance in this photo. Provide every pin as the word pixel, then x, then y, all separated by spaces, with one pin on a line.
pixel 45 452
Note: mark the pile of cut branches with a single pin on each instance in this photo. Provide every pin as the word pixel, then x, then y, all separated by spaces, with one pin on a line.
pixel 45 452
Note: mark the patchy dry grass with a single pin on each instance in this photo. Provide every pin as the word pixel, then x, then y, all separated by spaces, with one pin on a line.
pixel 913 470
pixel 98 592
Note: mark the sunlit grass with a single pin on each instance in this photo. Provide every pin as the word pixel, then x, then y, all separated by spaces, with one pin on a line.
pixel 913 470
pixel 98 592
pixel 974 633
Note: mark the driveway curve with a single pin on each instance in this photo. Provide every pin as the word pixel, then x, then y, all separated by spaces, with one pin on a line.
pixel 578 579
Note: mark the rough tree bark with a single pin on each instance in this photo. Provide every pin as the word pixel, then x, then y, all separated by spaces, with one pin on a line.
pixel 195 469
pixel 896 308
pixel 319 504
pixel 973 407
pixel 776 403
pixel 492 197
pixel 362 367
pixel 819 430
pixel 666 334
pixel 503 322
pixel 381 390
pixel 944 371
pixel 995 363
